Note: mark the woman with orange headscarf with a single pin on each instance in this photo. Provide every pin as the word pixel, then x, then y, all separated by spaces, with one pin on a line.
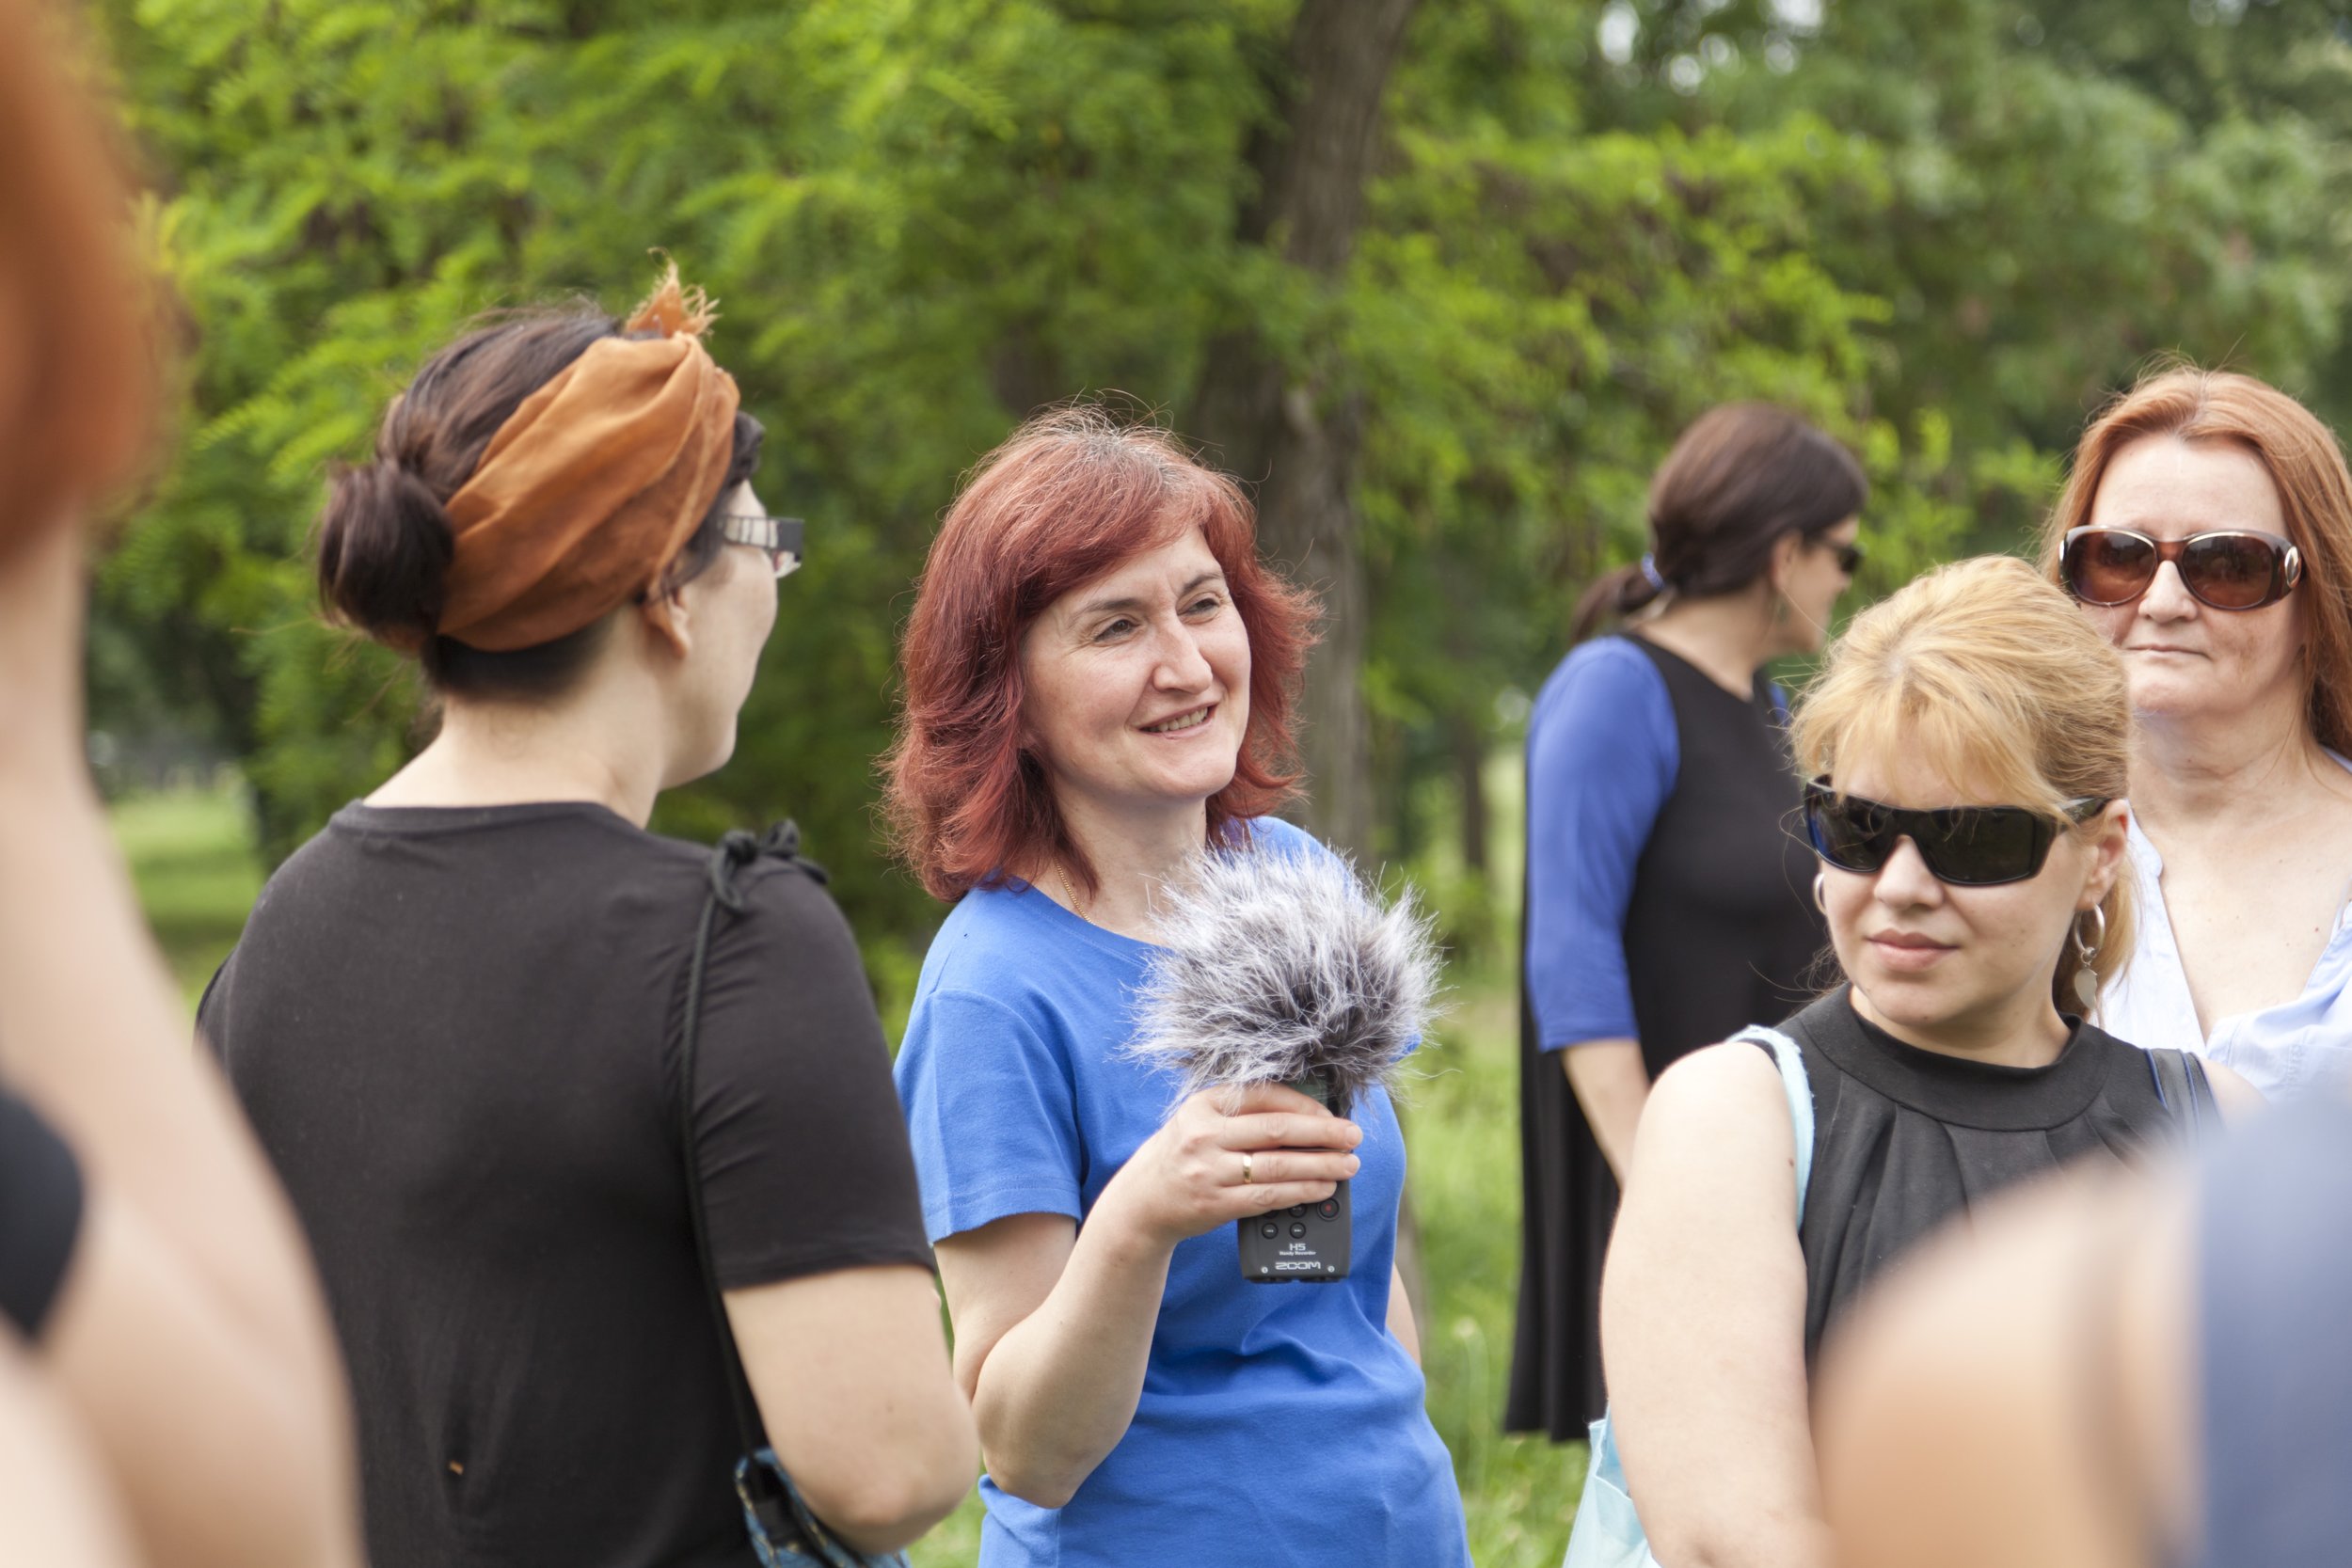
pixel 594 1133
pixel 169 1391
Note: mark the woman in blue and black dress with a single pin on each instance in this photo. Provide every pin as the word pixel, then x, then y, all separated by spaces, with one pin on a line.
pixel 1667 899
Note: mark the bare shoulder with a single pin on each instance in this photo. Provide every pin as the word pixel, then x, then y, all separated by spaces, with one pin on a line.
pixel 1735 1079
pixel 1719 1107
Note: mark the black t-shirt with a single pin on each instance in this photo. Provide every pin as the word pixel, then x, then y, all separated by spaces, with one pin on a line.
pixel 40 1215
pixel 455 1032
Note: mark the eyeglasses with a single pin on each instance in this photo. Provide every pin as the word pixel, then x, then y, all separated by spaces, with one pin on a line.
pixel 1965 845
pixel 2228 568
pixel 779 536
pixel 1850 557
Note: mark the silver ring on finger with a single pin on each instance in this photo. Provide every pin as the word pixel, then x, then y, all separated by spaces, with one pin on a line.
pixel 1246 1177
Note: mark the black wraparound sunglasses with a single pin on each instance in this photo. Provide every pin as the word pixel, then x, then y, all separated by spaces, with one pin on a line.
pixel 1965 845
pixel 2226 568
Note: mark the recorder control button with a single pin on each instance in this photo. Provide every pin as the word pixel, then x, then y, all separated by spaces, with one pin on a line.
pixel 1296 1210
pixel 1297 1229
pixel 1269 1230
pixel 1328 1208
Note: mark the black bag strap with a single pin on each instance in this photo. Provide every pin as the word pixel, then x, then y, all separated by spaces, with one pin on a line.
pixel 2182 1089
pixel 734 852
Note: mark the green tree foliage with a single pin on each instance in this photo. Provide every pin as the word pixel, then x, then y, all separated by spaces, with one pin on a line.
pixel 1941 227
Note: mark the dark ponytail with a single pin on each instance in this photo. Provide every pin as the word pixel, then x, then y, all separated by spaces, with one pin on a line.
pixel 385 541
pixel 1613 597
pixel 1739 479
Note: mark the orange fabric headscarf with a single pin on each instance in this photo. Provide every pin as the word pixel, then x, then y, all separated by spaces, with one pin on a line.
pixel 593 486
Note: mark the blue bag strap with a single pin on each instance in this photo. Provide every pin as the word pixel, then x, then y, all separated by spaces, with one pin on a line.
pixel 1799 1087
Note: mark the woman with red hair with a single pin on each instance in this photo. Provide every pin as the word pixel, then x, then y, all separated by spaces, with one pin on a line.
pixel 2206 531
pixel 169 1390
pixel 1099 685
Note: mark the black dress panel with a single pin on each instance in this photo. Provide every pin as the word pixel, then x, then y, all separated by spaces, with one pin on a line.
pixel 1903 1139
pixel 1719 933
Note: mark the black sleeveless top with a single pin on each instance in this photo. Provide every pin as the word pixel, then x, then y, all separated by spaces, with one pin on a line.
pixel 1719 934
pixel 1903 1139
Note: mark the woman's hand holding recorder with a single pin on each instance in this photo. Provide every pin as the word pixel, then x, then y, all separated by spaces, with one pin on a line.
pixel 1226 1153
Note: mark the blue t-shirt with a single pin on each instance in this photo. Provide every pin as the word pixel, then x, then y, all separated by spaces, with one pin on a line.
pixel 1279 1424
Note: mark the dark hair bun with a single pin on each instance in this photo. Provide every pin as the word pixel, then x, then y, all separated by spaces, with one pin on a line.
pixel 385 543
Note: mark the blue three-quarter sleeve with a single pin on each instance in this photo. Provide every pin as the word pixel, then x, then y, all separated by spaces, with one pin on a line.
pixel 1601 757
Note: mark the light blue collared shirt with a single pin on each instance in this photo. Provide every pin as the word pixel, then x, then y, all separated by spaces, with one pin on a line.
pixel 2285 1051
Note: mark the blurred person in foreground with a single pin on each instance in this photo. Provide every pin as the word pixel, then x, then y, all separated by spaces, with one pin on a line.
pixel 458 1015
pixel 2145 1372
pixel 1667 901
pixel 169 1388
pixel 1967 742
pixel 2206 531
pixel 1100 680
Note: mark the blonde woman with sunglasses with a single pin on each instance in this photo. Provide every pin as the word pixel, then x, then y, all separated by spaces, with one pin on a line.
pixel 1967 744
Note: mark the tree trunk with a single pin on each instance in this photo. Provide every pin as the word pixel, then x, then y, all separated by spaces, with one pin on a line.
pixel 1468 741
pixel 1295 429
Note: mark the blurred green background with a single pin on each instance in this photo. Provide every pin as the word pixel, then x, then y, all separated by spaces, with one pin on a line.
pixel 1944 227
pixel 1442 277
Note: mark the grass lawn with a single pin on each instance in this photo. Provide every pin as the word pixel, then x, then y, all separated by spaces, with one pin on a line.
pixel 191 857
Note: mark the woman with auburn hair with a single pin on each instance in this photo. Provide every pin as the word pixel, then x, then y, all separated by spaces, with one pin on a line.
pixel 81 390
pixel 2206 531
pixel 1967 745
pixel 1099 684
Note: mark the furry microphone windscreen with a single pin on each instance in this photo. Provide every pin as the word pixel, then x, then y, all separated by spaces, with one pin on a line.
pixel 1275 963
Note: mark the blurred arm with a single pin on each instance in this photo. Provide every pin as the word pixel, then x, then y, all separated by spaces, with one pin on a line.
pixel 55 1506
pixel 1703 1322
pixel 1958 1417
pixel 191 1244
